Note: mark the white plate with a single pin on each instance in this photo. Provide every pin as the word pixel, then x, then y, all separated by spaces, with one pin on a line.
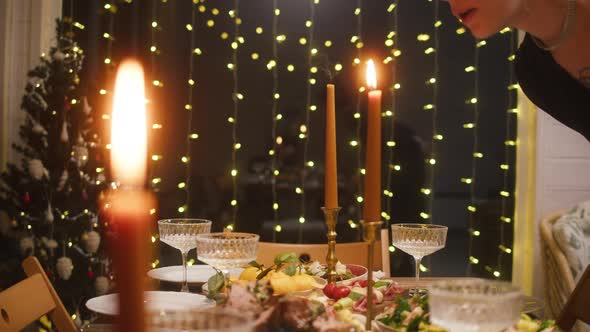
pixel 154 301
pixel 195 274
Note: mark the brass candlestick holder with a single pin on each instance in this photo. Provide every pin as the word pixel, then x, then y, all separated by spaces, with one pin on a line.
pixel 331 215
pixel 370 234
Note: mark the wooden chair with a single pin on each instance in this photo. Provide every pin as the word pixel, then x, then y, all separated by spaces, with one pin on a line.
pixel 577 306
pixel 25 302
pixel 558 278
pixel 350 253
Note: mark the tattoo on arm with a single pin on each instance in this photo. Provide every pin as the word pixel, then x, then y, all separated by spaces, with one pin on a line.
pixel 585 77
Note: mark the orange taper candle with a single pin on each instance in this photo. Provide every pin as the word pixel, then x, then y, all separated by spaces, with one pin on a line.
pixel 372 199
pixel 331 177
pixel 129 206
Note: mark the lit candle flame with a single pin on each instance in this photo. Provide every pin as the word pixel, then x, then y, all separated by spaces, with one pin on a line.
pixel 371 75
pixel 128 131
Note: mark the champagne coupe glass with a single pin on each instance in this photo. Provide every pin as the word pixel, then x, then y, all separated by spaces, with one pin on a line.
pixel 475 305
pixel 418 240
pixel 181 234
pixel 227 250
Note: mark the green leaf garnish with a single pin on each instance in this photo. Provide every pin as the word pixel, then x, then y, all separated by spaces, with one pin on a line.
pixel 291 270
pixel 256 265
pixel 290 257
pixel 215 284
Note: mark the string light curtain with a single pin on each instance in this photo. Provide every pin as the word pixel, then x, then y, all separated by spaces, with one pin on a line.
pixel 357 41
pixel 392 42
pixel 305 128
pixel 156 84
pixel 191 135
pixel 507 191
pixel 432 107
pixel 272 65
pixel 237 96
pixel 282 105
pixel 472 104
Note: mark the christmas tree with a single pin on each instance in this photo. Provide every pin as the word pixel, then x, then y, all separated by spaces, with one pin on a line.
pixel 51 197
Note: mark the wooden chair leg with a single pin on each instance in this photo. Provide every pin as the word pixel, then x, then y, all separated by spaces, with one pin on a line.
pixel 59 315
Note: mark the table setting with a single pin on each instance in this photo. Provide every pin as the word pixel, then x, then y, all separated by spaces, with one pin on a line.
pixel 237 293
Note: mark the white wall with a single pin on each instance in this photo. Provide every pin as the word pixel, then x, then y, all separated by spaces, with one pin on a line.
pixel 563 174
pixel 26 30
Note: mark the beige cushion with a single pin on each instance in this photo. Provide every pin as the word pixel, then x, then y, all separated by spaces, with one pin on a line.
pixel 572 234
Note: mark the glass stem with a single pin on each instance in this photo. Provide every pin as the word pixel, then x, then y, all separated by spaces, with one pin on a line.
pixel 418 261
pixel 184 278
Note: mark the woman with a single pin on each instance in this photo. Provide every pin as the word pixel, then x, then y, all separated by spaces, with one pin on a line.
pixel 553 61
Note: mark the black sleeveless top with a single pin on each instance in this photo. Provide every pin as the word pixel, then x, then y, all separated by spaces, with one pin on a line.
pixel 552 88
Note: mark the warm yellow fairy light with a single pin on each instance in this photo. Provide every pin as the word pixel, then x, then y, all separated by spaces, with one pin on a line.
pixel 290 68
pixel 278 228
pixel 328 43
pixel 354 143
pixel 466 180
pixel 481 43
pixel 301 220
pixel 471 208
pixel 469 69
pixel 473 260
pixel 234 172
pixel 181 185
pixel 423 37
pixel 107 61
pixel 302 41
pixel 429 50
pixel 391 7
pixel 310 163
pixel 460 31
pixel 477 155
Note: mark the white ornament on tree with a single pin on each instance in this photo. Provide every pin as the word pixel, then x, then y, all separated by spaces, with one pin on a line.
pixel 39 129
pixel 80 154
pixel 26 244
pixel 64 133
pixel 49 214
pixel 101 285
pixel 59 56
pixel 62 180
pixel 91 241
pixel 36 169
pixel 50 244
pixel 64 267
pixel 86 108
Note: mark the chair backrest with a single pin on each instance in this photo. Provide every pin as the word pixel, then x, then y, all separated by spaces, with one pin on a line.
pixel 558 279
pixel 577 306
pixel 30 299
pixel 348 253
